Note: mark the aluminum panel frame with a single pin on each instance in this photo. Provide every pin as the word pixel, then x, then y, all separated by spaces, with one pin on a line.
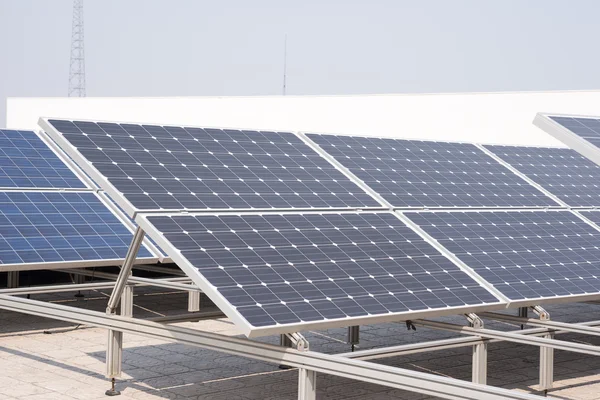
pixel 132 211
pixel 523 302
pixel 251 331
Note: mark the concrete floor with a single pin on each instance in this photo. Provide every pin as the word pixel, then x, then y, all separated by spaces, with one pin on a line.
pixel 42 359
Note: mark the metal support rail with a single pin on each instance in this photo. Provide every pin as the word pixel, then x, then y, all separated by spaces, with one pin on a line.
pixel 563 326
pixel 444 344
pixel 415 381
pixel 512 337
pixel 179 283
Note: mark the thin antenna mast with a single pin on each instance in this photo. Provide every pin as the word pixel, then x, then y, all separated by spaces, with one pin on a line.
pixel 77 65
pixel 284 64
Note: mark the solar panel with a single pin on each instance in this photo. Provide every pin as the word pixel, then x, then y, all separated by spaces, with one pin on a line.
pixel 271 271
pixel 130 222
pixel 415 174
pixel 27 162
pixel 175 168
pixel 579 133
pixel 38 228
pixel 563 172
pixel 592 215
pixel 524 254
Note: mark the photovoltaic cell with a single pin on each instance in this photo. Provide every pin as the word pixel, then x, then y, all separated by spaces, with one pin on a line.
pixel 45 227
pixel 410 173
pixel 157 167
pixel 587 128
pixel 524 254
pixel 592 215
pixel 27 162
pixel 563 172
pixel 297 268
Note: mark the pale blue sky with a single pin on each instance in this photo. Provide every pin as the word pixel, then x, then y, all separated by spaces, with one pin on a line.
pixel 198 47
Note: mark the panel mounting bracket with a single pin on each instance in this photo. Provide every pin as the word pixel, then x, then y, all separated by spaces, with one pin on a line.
pixel 474 320
pixel 541 313
pixel 299 341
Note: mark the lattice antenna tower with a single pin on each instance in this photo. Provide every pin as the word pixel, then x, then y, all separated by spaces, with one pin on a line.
pixel 77 65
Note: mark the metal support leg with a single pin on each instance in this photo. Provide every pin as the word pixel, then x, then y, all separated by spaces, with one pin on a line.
pixel 353 335
pixel 307 384
pixel 79 279
pixel 124 294
pixel 307 379
pixel 127 301
pixel 193 301
pixel 523 311
pixel 134 247
pixel 285 341
pixel 479 373
pixel 546 355
pixel 114 355
pixel 12 280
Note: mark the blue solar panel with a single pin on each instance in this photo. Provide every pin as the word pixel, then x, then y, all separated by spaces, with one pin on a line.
pixel 415 174
pixel 563 172
pixel 315 267
pixel 587 128
pixel 156 167
pixel 524 254
pixel 27 162
pixel 46 227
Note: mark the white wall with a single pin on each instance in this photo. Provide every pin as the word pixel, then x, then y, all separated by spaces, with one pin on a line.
pixel 503 118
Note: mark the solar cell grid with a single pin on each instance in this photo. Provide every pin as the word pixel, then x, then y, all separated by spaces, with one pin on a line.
pixel 563 172
pixel 584 127
pixel 524 254
pixel 44 227
pixel 157 167
pixel 27 162
pixel 297 268
pixel 412 174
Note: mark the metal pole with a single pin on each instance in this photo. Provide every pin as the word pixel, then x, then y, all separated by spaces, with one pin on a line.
pixel 523 314
pixel 127 301
pixel 79 280
pixel 353 335
pixel 479 355
pixel 285 341
pixel 546 355
pixel 114 350
pixel 307 384
pixel 193 301
pixel 134 247
pixel 12 280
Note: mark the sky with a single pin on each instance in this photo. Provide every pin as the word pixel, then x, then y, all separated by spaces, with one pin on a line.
pixel 235 47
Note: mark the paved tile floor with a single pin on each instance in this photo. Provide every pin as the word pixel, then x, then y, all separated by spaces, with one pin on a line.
pixel 42 359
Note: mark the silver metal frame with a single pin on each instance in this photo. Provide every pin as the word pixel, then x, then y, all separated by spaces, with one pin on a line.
pixel 525 302
pixel 309 362
pixel 118 197
pixel 521 175
pixel 251 331
pixel 573 141
pixel 81 263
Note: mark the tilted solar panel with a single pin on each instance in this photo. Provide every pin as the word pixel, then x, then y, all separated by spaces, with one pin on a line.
pixel 277 271
pixel 415 174
pixel 175 168
pixel 579 133
pixel 563 172
pixel 27 162
pixel 526 255
pixel 41 228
